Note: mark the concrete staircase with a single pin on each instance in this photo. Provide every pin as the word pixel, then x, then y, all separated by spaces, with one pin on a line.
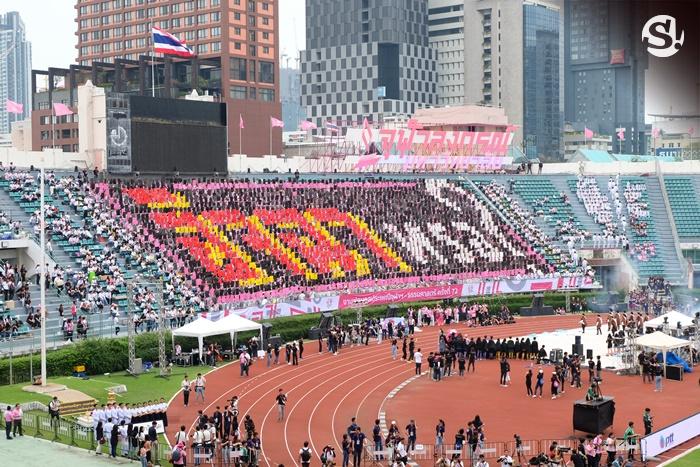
pixel 665 243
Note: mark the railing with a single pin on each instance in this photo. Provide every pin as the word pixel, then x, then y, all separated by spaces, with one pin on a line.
pixel 74 434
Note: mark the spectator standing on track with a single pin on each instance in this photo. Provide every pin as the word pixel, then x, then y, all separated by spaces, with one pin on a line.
pixel 648 421
pixel 346 445
pixel 411 349
pixel 301 349
pixel 295 354
pixel 244 361
pixel 630 438
pixel 305 455
pixel 505 368
pixel 598 326
pixel 539 385
pixel 54 410
pixel 439 435
pixel 412 433
pixel 418 357
pixel 358 442
pixel 377 438
pixel 583 323
pixel 394 348
pixel 186 388
pixel 281 403
pixel 610 448
pixel 269 355
pixel 199 385
pixel 528 383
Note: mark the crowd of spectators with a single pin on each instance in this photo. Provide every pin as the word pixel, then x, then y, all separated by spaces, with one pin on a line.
pixel 236 238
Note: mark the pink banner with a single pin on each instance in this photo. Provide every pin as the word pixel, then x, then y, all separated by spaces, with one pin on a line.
pixel 385 297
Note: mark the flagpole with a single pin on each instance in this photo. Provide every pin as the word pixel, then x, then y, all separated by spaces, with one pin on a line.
pixel 270 137
pixel 42 245
pixel 153 63
pixel 240 144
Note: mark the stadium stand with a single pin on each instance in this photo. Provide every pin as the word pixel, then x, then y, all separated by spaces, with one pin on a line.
pixel 684 204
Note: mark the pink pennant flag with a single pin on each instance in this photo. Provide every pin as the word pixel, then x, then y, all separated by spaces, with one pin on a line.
pixel 14 107
pixel 588 134
pixel 621 133
pixel 307 125
pixel 274 122
pixel 241 125
pixel 365 123
pixel 61 109
pixel 655 132
pixel 367 161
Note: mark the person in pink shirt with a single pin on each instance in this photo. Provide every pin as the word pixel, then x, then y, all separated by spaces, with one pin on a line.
pixel 17 420
pixel 8 422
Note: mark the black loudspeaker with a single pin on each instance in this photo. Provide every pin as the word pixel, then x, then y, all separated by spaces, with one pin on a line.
pixel 589 354
pixel 577 349
pixel 594 417
pixel 266 328
pixel 538 300
pixel 556 355
pixel 577 340
pixel 674 372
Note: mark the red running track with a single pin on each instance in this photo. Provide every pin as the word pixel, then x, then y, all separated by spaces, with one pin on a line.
pixel 326 391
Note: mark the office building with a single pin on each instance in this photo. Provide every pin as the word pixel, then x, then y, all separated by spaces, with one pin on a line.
pixel 446 34
pixel 512 60
pixel 363 60
pixel 15 68
pixel 575 139
pixel 290 92
pixel 236 42
pixel 604 66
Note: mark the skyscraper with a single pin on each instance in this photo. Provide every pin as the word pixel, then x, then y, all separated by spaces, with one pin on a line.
pixel 512 60
pixel 604 66
pixel 236 42
pixel 446 32
pixel 15 68
pixel 363 60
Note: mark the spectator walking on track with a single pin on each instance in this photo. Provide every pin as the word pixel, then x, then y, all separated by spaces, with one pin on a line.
pixel 199 385
pixel 8 422
pixel 186 388
pixel 17 414
pixel 418 358
pixel 305 455
pixel 281 403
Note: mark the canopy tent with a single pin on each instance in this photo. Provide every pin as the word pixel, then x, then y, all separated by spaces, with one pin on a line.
pixel 199 328
pixel 233 324
pixel 672 319
pixel 662 342
pixel 203 327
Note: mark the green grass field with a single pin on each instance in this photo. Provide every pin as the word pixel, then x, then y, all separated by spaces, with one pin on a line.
pixel 689 460
pixel 143 388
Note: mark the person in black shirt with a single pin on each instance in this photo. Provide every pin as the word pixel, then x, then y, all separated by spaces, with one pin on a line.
pixel 528 383
pixel 411 348
pixel 505 368
pixel 377 438
pixel 472 360
pixel 281 400
pixel 412 434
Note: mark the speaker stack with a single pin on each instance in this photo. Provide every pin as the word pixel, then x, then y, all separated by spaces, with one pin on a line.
pixel 577 348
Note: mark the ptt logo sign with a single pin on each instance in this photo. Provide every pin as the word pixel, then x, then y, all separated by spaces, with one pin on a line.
pixel 665 441
pixel 660 37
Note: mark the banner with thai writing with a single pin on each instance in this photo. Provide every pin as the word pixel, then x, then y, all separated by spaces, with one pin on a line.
pixel 280 309
pixel 508 286
pixel 386 297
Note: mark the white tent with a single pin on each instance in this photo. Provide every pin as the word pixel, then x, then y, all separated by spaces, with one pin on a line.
pixel 202 327
pixel 233 324
pixel 673 318
pixel 661 342
pixel 199 328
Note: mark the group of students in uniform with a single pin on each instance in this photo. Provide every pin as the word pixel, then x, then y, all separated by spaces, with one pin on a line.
pixel 137 413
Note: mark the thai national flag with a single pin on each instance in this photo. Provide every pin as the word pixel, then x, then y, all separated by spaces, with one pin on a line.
pixel 167 44
pixel 332 127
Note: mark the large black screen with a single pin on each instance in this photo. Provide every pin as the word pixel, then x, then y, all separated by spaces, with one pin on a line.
pixel 170 135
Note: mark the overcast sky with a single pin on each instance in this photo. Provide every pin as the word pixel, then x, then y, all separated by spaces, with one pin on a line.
pixel 51 29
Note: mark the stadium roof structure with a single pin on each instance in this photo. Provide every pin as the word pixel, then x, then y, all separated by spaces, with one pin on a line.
pixel 598 155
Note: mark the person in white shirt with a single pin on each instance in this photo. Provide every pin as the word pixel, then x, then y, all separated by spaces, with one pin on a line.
pixel 181 436
pixel 124 438
pixel 481 462
pixel 418 358
pixel 401 452
pixel 199 385
pixel 505 460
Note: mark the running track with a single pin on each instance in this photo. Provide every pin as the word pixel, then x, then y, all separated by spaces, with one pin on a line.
pixel 326 391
